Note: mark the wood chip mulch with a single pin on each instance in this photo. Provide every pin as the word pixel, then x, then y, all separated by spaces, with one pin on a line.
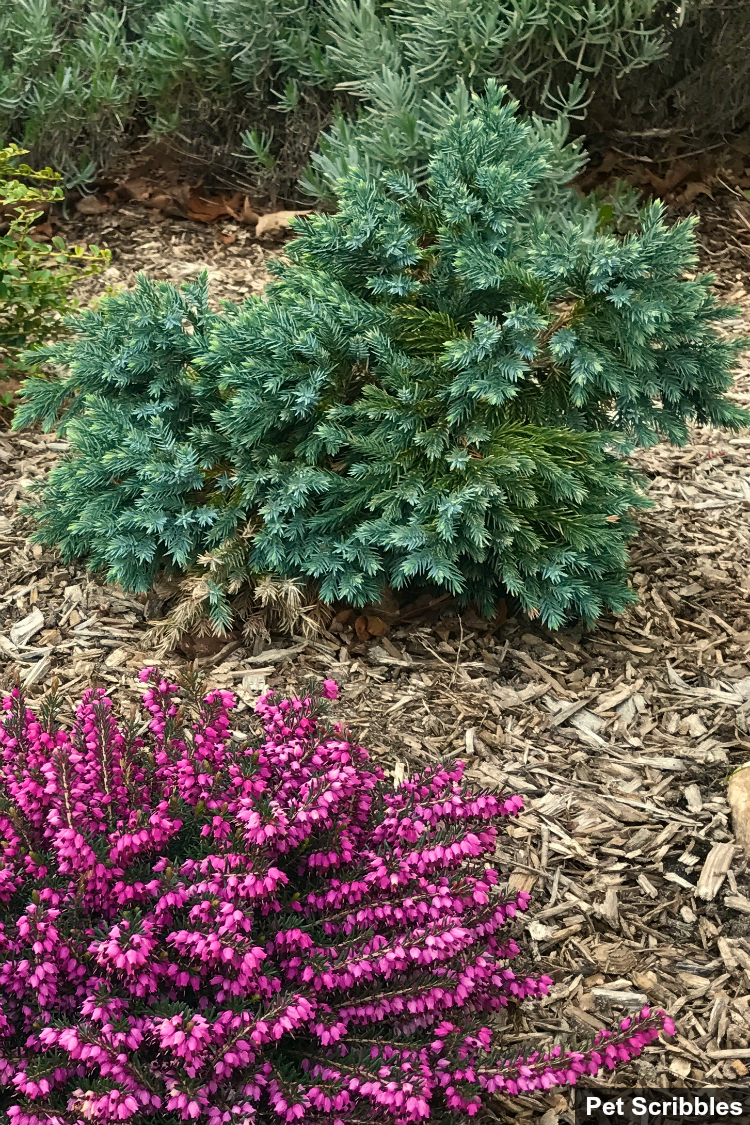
pixel 620 739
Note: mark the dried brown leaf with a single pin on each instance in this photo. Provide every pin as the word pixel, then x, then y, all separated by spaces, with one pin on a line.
pixel 276 224
pixel 92 205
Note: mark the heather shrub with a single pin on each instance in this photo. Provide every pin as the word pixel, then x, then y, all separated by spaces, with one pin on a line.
pixel 438 390
pixel 199 926
pixel 35 277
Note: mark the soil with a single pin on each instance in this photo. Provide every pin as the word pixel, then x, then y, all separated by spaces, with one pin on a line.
pixel 620 739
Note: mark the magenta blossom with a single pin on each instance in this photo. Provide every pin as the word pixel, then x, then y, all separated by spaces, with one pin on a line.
pixel 197 928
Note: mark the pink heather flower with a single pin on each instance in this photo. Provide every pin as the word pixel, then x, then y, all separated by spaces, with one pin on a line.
pixel 207 928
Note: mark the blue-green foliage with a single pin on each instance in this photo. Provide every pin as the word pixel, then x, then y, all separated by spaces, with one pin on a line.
pixel 130 497
pixel 439 388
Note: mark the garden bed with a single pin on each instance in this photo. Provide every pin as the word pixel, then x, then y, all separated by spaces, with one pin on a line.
pixel 619 739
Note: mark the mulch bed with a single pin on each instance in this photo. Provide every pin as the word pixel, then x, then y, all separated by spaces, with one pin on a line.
pixel 619 739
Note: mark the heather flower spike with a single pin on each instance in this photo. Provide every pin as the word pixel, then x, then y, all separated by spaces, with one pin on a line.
pixel 196 928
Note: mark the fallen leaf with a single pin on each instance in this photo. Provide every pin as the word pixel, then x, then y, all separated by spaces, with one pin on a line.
pixel 245 214
pixel 188 201
pixel 163 202
pixel 676 175
pixel 501 613
pixel 593 176
pixel 360 628
pixel 92 205
pixel 41 232
pixel 182 194
pixel 135 189
pixel 276 223
pixel 207 645
pixel 694 189
pixel 376 627
pixel 208 210
pixel 344 616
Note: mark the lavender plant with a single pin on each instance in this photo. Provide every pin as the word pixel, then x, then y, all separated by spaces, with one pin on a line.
pixel 194 928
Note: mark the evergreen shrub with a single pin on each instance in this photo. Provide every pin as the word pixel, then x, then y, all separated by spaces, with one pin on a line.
pixel 35 277
pixel 199 927
pixel 439 387
pixel 79 79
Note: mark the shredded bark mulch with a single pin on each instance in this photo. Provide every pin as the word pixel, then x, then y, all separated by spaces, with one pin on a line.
pixel 619 739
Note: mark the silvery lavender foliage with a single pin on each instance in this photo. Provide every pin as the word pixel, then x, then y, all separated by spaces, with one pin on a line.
pixel 195 928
